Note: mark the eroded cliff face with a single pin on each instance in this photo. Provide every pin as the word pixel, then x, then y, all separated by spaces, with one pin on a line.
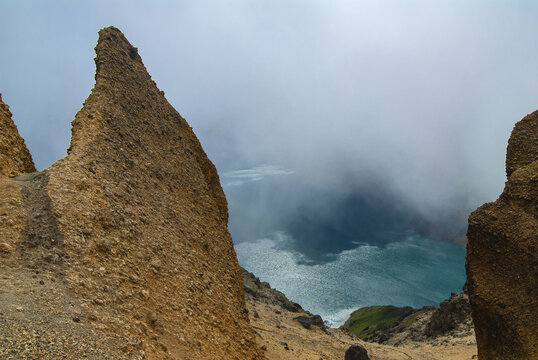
pixel 15 158
pixel 133 223
pixel 502 259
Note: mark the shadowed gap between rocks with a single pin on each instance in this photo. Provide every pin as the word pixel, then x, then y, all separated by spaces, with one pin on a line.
pixel 41 237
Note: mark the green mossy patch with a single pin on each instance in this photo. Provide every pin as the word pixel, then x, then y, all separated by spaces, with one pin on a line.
pixel 368 320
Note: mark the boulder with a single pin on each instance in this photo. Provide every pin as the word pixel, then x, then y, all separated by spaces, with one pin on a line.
pixel 356 352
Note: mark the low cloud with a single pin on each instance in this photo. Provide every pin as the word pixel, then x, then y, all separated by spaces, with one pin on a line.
pixel 258 173
pixel 411 100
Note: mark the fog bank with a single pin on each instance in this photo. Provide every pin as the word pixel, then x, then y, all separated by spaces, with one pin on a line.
pixel 411 102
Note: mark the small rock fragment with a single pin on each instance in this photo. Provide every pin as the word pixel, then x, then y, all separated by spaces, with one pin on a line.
pixel 356 352
pixel 6 248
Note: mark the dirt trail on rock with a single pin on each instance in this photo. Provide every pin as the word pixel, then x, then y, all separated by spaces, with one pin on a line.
pixel 41 231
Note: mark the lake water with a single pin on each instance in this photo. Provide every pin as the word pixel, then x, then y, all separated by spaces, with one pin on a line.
pixel 413 271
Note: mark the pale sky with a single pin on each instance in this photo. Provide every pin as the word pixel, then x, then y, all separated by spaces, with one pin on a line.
pixel 420 95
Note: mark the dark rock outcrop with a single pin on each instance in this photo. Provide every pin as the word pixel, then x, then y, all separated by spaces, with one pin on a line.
pixel 451 313
pixel 502 256
pixel 15 158
pixel 307 321
pixel 356 352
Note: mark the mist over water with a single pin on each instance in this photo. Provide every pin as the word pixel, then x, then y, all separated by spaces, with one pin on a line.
pixel 350 126
pixel 324 221
pixel 414 99
pixel 415 271
pixel 333 252
pixel 420 94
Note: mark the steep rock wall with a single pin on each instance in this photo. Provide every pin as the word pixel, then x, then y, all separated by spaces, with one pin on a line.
pixel 14 160
pixel 142 220
pixel 502 260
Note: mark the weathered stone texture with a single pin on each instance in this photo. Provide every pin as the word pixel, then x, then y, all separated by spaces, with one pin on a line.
pixel 144 220
pixel 502 259
pixel 133 223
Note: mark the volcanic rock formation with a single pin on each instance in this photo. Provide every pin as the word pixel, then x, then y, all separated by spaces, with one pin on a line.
pixel 452 313
pixel 261 292
pixel 133 223
pixel 14 156
pixel 502 260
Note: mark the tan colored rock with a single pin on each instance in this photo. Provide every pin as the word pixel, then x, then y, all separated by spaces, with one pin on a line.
pixel 138 196
pixel 6 248
pixel 523 145
pixel 134 223
pixel 12 216
pixel 502 257
pixel 15 158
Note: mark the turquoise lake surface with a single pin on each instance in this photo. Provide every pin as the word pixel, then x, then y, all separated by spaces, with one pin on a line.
pixel 412 271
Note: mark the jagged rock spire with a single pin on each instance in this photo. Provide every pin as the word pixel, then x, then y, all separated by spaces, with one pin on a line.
pixel 142 220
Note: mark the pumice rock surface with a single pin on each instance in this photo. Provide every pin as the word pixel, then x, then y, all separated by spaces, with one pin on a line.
pixel 122 245
pixel 502 257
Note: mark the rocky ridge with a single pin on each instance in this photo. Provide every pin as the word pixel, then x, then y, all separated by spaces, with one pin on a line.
pixel 453 314
pixel 502 260
pixel 15 158
pixel 282 336
pixel 261 291
pixel 124 242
